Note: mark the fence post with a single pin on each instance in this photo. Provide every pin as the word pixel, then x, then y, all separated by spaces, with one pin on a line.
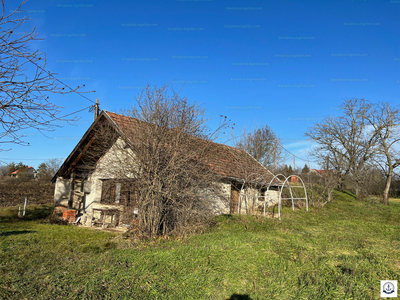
pixel 26 200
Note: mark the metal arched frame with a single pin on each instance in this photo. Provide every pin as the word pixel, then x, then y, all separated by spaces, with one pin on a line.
pixel 267 191
pixel 260 181
pixel 291 194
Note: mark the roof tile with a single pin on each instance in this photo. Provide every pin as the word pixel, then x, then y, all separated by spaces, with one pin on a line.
pixel 225 160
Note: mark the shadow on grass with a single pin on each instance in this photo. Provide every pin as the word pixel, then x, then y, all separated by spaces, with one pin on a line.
pixel 239 297
pixel 227 216
pixel 347 193
pixel 16 232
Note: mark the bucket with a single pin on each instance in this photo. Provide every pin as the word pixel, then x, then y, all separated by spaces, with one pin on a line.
pixel 69 215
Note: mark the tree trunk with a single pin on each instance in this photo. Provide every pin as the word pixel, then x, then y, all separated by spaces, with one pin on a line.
pixel 385 200
pixel 357 193
pixel 329 197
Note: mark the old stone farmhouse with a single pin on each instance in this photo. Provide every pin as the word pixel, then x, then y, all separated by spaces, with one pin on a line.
pixel 87 181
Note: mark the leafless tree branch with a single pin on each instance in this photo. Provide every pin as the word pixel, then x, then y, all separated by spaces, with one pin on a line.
pixel 24 82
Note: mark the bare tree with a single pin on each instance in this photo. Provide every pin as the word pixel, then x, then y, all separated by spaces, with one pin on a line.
pixel 385 120
pixel 53 164
pixel 24 81
pixel 395 186
pixel 3 170
pixel 167 155
pixel 48 169
pixel 375 181
pixel 346 142
pixel 263 145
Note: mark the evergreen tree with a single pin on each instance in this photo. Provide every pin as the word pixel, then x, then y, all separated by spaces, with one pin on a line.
pixel 305 170
pixel 290 171
pixel 11 168
pixel 42 170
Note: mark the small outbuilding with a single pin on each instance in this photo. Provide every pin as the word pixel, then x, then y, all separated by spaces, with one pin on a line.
pixel 87 180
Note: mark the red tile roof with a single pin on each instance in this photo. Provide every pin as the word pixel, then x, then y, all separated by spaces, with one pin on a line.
pixel 226 161
pixel 321 172
pixel 15 172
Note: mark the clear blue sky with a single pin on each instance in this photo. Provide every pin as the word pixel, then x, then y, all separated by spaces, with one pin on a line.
pixel 286 64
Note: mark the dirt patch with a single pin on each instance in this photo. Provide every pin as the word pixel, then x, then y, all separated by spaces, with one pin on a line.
pixel 12 194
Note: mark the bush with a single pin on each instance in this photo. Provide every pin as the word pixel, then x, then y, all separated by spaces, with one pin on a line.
pixel 55 219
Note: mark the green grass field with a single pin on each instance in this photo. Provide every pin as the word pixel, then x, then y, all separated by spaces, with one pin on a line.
pixel 341 251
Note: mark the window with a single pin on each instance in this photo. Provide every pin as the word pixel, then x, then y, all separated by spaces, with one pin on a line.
pixel 117 192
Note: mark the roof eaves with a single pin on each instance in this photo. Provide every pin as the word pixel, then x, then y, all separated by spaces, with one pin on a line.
pixel 272 174
pixel 67 160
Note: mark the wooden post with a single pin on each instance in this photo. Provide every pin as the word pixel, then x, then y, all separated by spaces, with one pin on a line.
pixel 71 189
pixel 96 109
pixel 294 162
pixel 26 200
pixel 235 195
pixel 275 156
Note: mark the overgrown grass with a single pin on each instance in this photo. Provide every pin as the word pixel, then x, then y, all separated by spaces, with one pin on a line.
pixel 340 251
pixel 33 212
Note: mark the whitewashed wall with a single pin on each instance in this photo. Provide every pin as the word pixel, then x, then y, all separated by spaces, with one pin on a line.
pixel 220 201
pixel 251 199
pixel 61 192
pixel 111 165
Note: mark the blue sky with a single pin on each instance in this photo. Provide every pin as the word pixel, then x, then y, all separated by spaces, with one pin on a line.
pixel 285 64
